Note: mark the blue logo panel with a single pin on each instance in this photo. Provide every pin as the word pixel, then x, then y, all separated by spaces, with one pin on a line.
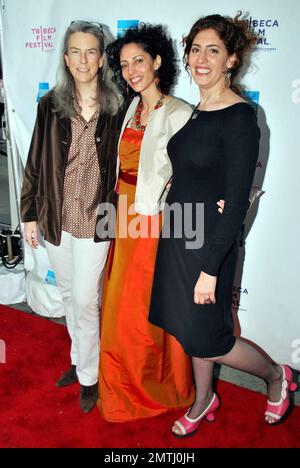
pixel 50 278
pixel 253 97
pixel 123 25
pixel 43 89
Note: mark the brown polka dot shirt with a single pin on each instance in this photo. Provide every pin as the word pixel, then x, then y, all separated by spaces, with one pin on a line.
pixel 82 178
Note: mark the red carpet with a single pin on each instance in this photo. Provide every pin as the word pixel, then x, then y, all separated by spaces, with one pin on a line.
pixel 34 413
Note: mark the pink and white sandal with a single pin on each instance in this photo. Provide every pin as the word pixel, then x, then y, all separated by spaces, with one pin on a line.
pixel 280 410
pixel 189 426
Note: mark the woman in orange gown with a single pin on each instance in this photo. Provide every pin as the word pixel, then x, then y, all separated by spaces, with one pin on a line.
pixel 143 370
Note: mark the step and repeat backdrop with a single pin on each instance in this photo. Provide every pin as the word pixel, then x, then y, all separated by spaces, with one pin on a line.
pixel 266 299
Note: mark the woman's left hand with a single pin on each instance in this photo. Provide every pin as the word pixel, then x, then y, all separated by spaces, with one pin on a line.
pixel 204 292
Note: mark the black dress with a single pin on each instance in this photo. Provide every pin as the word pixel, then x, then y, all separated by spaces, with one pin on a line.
pixel 213 156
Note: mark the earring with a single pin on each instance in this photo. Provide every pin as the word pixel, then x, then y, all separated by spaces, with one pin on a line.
pixel 227 78
pixel 127 89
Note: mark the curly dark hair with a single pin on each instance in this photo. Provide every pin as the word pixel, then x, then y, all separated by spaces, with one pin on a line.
pixel 234 32
pixel 154 41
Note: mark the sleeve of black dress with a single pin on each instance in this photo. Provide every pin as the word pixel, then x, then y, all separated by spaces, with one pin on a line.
pixel 240 150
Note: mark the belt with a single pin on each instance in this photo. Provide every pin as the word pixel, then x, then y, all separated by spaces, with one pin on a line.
pixel 128 178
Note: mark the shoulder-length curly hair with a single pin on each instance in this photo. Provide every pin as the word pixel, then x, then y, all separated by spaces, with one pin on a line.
pixel 108 95
pixel 154 41
pixel 238 39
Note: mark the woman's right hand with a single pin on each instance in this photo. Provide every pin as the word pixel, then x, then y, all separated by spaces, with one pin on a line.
pixel 30 234
pixel 168 186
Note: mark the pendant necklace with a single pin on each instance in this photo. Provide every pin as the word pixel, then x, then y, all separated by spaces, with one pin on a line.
pixel 197 111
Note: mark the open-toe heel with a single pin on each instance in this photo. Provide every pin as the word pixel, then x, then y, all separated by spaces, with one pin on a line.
pixel 189 426
pixel 281 409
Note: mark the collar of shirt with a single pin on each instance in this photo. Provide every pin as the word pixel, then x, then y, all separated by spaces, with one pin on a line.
pixel 78 111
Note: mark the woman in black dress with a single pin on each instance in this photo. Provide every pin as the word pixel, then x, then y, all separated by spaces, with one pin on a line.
pixel 213 156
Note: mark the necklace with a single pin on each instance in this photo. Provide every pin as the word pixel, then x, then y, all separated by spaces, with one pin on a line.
pixel 138 125
pixel 197 110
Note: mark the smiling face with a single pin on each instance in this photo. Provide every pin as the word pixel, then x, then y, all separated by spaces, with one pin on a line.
pixel 209 59
pixel 83 57
pixel 138 67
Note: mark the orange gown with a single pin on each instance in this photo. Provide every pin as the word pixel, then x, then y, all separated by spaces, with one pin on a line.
pixel 144 371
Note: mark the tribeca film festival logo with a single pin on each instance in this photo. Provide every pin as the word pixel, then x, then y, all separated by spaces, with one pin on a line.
pixel 2 352
pixel 237 294
pixel 264 28
pixel 43 38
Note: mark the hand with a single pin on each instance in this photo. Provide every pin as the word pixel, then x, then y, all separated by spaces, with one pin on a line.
pixel 221 204
pixel 30 234
pixel 204 292
pixel 168 186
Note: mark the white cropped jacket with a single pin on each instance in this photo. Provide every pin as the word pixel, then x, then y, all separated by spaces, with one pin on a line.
pixel 155 170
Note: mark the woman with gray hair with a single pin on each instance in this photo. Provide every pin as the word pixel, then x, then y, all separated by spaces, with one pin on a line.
pixel 71 169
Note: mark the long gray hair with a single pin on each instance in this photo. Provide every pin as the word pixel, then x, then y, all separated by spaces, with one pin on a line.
pixel 108 96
